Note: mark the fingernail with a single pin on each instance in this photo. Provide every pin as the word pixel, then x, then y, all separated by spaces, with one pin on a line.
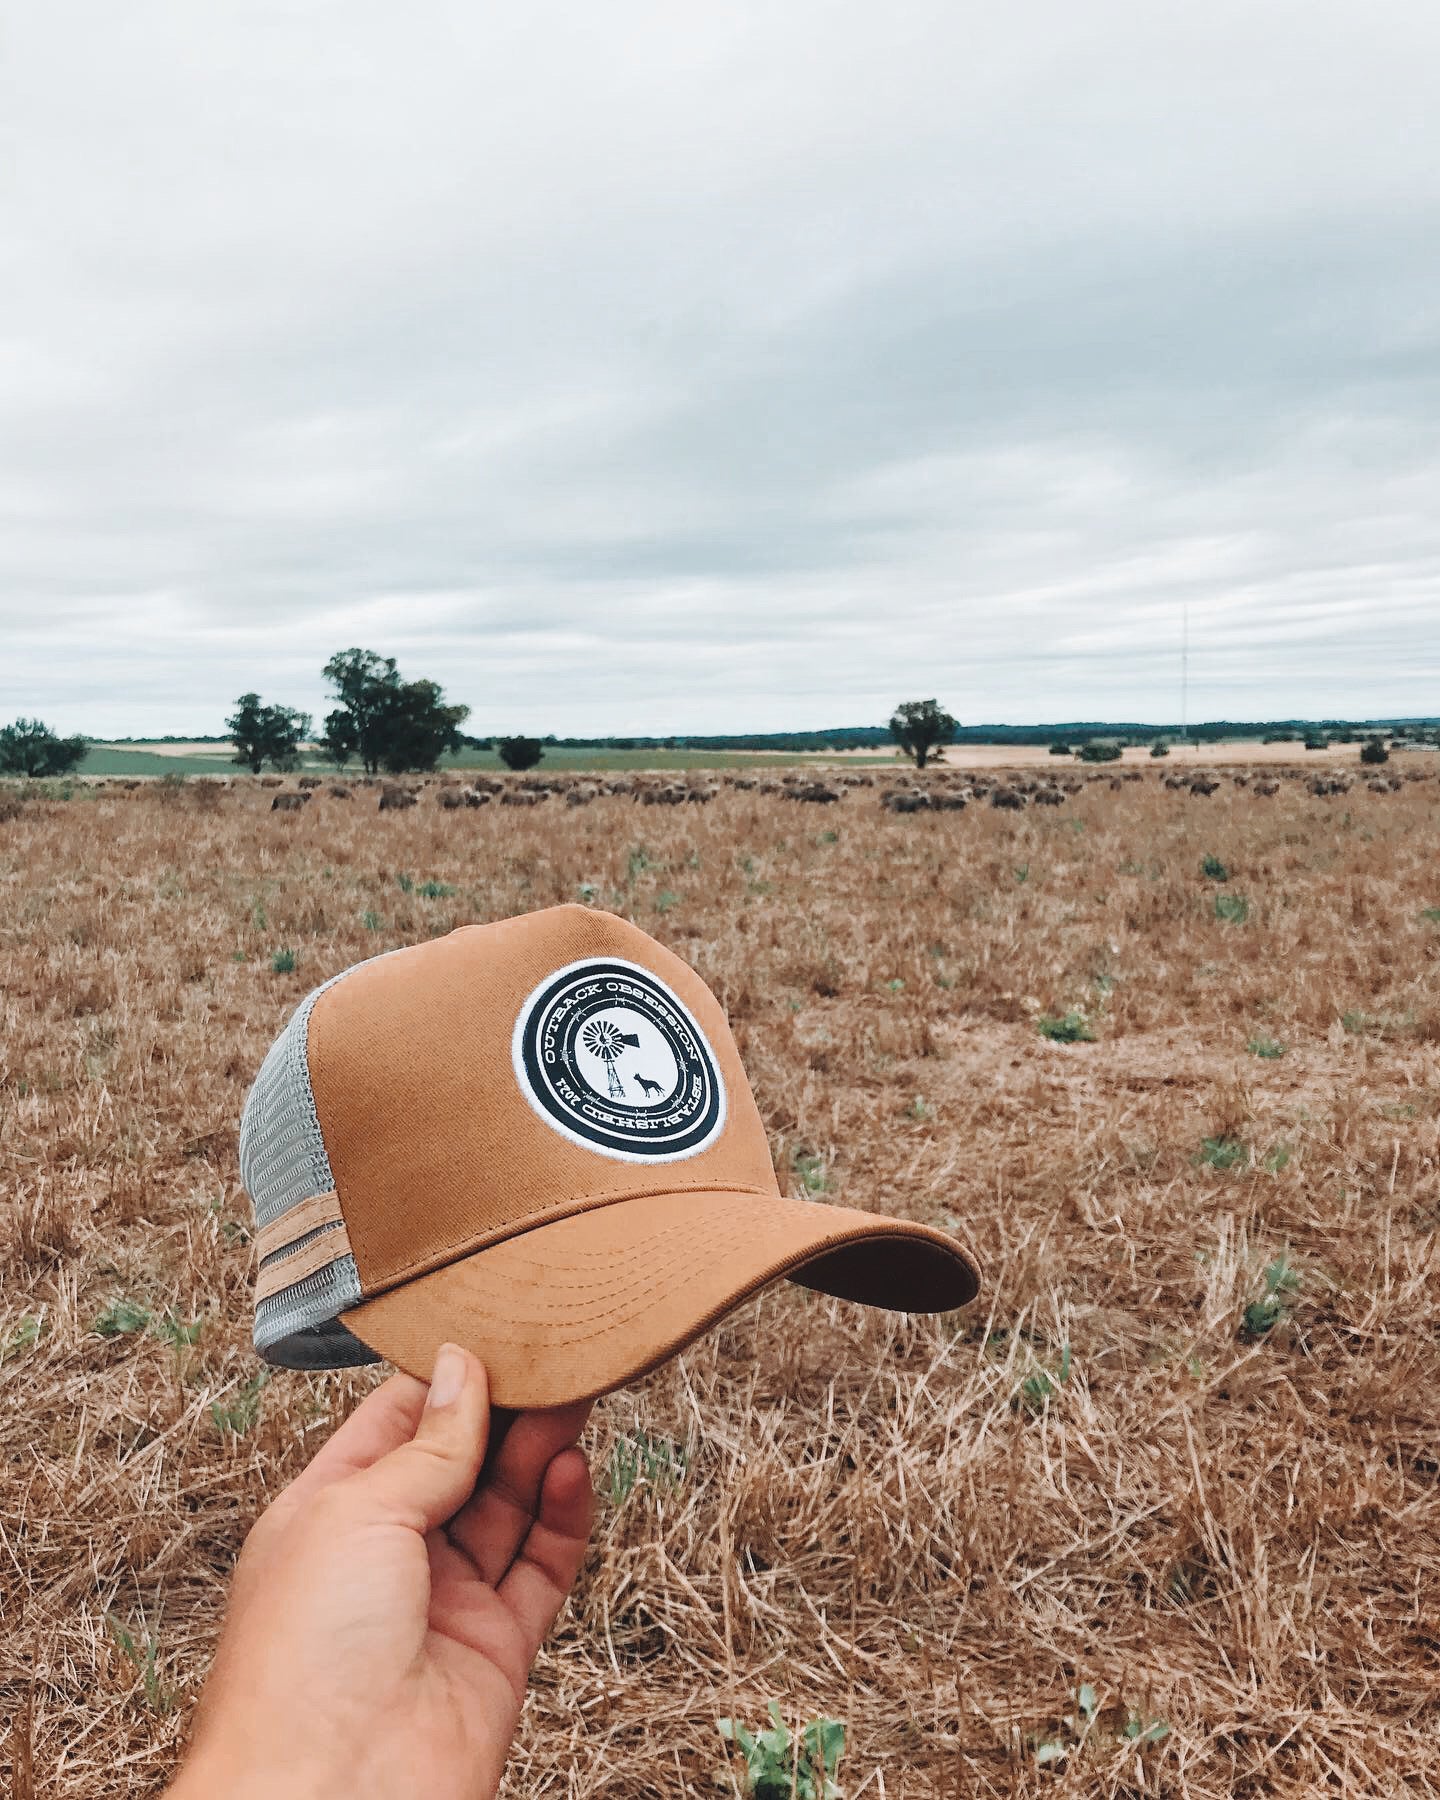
pixel 449 1376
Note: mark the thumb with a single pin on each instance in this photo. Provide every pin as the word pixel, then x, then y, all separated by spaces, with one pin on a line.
pixel 426 1481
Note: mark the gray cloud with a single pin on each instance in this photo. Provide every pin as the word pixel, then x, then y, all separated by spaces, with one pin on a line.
pixel 633 369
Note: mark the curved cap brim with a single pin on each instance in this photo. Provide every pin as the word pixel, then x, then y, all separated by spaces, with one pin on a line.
pixel 587 1303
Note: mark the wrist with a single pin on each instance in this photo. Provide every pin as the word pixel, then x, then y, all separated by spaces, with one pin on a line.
pixel 208 1774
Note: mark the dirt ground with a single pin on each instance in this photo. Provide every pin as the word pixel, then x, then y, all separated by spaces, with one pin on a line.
pixel 1159 1514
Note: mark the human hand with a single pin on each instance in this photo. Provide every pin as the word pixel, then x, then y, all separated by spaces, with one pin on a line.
pixel 385 1610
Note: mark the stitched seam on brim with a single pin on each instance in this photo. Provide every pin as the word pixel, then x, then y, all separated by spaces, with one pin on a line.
pixel 502 1234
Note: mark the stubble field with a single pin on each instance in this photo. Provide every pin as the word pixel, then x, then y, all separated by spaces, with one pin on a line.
pixel 1159 1514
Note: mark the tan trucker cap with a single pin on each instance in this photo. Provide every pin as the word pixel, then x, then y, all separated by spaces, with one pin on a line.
pixel 535 1139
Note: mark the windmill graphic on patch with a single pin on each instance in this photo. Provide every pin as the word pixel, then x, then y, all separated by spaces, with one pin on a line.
pixel 605 1039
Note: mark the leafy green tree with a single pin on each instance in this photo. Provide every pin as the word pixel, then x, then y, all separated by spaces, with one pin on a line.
pixel 29 747
pixel 365 685
pixel 419 727
pixel 1098 751
pixel 921 728
pixel 385 721
pixel 264 734
pixel 340 740
pixel 519 752
pixel 1374 751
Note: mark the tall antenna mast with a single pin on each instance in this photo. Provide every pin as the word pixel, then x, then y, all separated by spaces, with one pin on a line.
pixel 1184 668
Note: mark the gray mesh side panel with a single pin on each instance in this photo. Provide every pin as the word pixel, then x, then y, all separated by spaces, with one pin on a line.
pixel 282 1154
pixel 287 1323
pixel 282 1162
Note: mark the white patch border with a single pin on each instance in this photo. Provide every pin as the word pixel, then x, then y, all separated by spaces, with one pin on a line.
pixel 537 1105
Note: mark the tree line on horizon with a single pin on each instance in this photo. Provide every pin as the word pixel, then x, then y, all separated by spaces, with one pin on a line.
pixel 388 724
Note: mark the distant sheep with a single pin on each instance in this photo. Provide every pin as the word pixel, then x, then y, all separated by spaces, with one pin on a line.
pixel 1007 800
pixel 905 800
pixel 394 799
pixel 289 802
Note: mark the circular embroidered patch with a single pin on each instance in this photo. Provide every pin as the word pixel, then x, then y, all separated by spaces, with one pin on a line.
pixel 611 1058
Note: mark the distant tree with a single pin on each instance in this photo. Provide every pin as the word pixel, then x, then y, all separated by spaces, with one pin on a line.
pixel 420 727
pixel 384 721
pixel 264 734
pixel 921 728
pixel 1097 751
pixel 519 752
pixel 340 740
pixel 1373 751
pixel 29 747
pixel 1060 748
pixel 1160 748
pixel 1317 741
pixel 365 685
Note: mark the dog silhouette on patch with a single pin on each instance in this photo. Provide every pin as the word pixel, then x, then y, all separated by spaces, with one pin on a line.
pixel 649 1088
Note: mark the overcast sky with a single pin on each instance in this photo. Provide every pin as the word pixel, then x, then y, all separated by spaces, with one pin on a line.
pixel 650 367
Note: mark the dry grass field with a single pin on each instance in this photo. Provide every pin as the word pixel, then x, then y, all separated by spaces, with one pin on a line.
pixel 1159 1514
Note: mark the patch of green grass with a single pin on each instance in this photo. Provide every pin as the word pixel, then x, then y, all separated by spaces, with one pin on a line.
pixel 1083 1727
pixel 121 1317
pixel 1068 1028
pixel 119 759
pixel 1213 869
pixel 1041 1385
pixel 896 985
pixel 920 1111
pixel 405 883
pixel 639 861
pixel 239 1413
pixel 811 1170
pixel 1263 1315
pixel 372 921
pixel 283 962
pixel 665 901
pixel 1267 1047
pixel 1233 909
pixel 21 1338
pixel 1431 915
pixel 639 1457
pixel 143 1658
pixel 781 1767
pixel 1277 1158
pixel 436 890
pixel 1224 1152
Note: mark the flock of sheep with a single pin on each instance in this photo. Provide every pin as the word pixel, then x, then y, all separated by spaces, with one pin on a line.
pixel 937 789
